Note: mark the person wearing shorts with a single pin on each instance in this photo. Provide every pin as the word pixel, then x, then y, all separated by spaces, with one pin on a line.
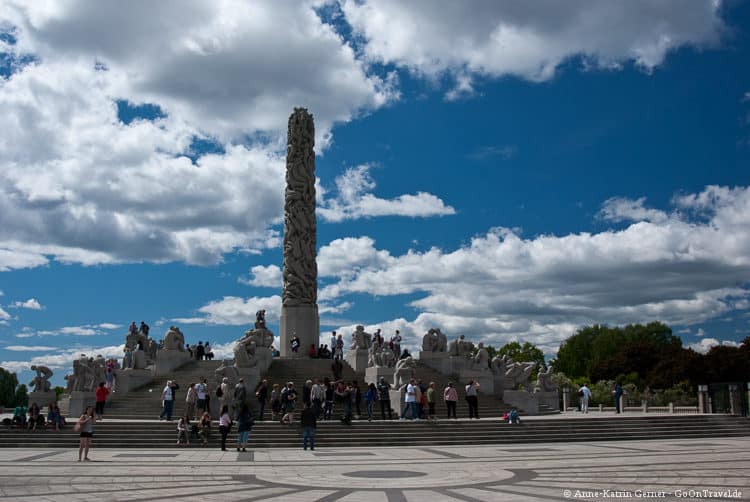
pixel 86 427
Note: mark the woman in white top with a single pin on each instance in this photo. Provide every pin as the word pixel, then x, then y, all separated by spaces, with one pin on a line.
pixel 86 427
pixel 225 422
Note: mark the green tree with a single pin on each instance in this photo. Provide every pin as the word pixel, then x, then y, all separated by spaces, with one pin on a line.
pixel 523 353
pixel 8 384
pixel 59 391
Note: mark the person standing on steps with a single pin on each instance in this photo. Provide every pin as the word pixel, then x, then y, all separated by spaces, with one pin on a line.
pixel 330 394
pixel 207 394
pixel 101 399
pixel 384 396
pixel 431 401
pixel 200 351
pixel 275 402
pixel 244 426
pixel 617 393
pixel 190 400
pixel 472 399
pixel 410 401
pixel 240 394
pixel 225 422
pixel 167 400
pixel 261 394
pixel 308 421
pixel 85 426
pixel 333 344
pixel 585 394
pixel 370 397
pixel 200 397
pixel 450 396
pixel 205 428
pixel 318 397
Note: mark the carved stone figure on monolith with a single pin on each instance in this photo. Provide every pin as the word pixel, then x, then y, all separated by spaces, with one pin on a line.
pixel 299 309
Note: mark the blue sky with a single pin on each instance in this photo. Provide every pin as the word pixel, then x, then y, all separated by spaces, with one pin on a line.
pixel 491 169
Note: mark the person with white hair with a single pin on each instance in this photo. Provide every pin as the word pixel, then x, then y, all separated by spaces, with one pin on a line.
pixel 167 399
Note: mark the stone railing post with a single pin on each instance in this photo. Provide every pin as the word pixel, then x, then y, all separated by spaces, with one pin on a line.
pixel 644 406
pixel 566 391
pixel 702 392
pixel 733 394
pixel 601 408
pixel 671 408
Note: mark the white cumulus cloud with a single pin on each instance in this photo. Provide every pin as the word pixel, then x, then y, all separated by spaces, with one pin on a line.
pixel 503 287
pixel 31 304
pixel 235 311
pixel 355 200
pixel 528 40
pixel 264 276
pixel 708 343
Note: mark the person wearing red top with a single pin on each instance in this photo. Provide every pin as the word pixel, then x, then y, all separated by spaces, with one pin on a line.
pixel 101 397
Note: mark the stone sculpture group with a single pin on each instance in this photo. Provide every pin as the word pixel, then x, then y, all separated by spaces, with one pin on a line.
pixel 87 373
pixel 434 341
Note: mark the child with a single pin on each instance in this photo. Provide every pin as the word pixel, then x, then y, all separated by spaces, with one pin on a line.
pixel 183 427
pixel 513 417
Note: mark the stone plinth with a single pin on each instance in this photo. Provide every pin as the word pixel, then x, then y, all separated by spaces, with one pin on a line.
pixel 499 383
pixel 169 360
pixel 373 374
pixel 130 379
pixel 523 400
pixel 252 378
pixel 549 398
pixel 79 401
pixel 485 379
pixel 43 399
pixel 357 359
pixel 439 361
pixel 301 321
pixel 264 357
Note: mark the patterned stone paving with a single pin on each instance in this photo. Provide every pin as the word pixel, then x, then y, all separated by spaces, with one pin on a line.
pixel 663 470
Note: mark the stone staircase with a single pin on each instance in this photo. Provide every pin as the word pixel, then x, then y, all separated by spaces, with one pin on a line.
pixel 154 434
pixel 131 420
pixel 145 403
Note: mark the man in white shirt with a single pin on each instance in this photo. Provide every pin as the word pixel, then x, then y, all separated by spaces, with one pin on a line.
pixel 585 394
pixel 410 401
pixel 200 389
pixel 167 398
pixel 333 345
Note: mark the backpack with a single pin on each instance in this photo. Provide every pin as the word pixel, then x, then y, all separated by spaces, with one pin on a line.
pixel 219 392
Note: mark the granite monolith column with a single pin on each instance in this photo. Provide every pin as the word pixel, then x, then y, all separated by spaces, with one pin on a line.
pixel 299 308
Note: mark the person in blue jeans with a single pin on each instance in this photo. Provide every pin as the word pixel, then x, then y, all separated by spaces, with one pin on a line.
pixel 308 420
pixel 244 425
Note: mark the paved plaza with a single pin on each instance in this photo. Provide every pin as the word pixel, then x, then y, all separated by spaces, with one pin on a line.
pixel 667 469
